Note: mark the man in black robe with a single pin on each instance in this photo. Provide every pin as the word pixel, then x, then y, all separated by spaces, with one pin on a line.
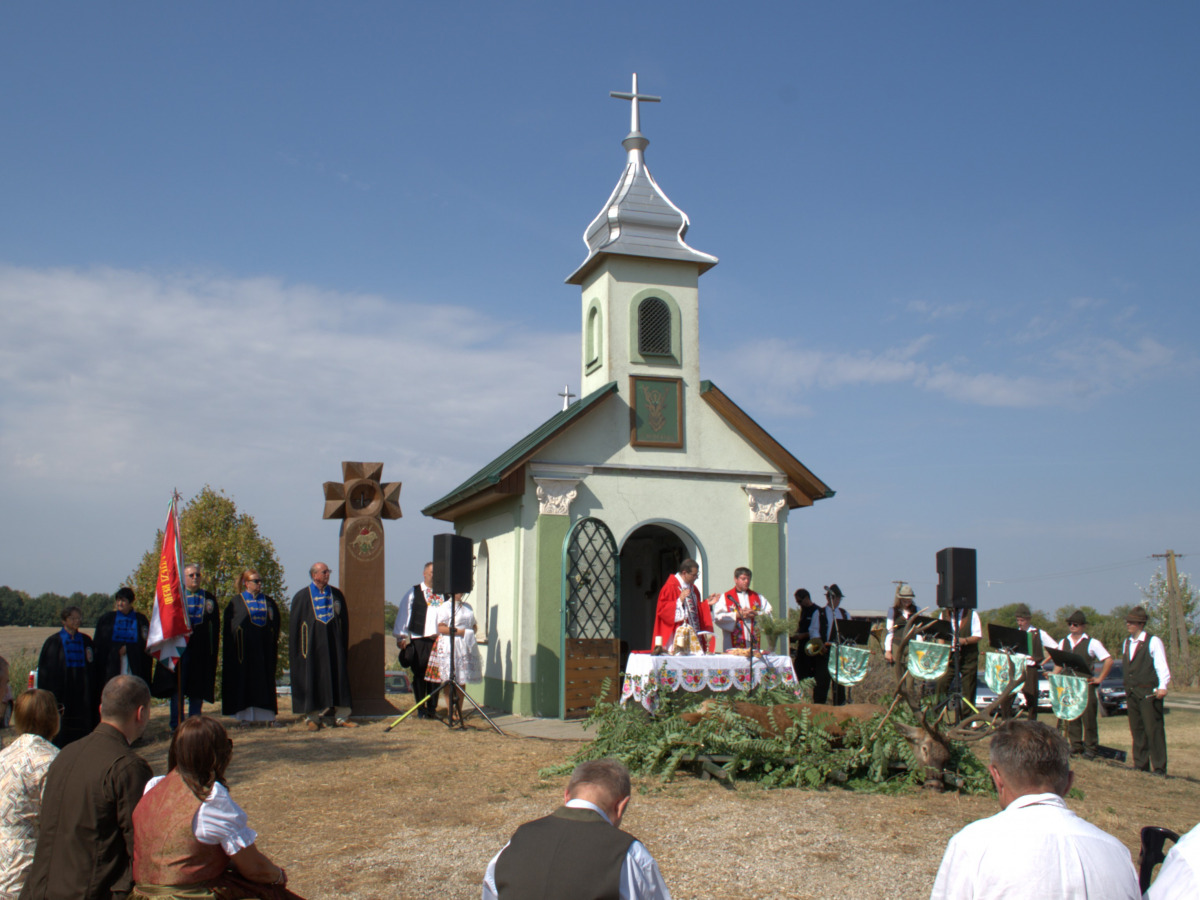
pixel 250 650
pixel 319 640
pixel 66 668
pixel 196 668
pixel 120 641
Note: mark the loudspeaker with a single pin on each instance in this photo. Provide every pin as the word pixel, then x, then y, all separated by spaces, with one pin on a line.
pixel 956 578
pixel 453 564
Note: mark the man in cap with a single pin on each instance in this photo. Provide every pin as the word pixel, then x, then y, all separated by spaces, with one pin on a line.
pixel 824 625
pixel 1039 642
pixel 1144 660
pixel 1083 732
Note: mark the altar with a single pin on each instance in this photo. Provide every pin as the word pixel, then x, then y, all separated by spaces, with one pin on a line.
pixel 646 675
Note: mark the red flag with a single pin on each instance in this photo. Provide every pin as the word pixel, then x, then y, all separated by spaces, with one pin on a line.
pixel 169 624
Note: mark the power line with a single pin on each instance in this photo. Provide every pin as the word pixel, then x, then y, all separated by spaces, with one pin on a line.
pixel 1073 573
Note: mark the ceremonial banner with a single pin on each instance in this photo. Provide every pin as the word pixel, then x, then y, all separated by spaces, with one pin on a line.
pixel 927 661
pixel 848 665
pixel 169 625
pixel 997 671
pixel 1068 696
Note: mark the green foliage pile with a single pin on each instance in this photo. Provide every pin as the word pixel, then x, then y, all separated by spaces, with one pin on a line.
pixel 804 756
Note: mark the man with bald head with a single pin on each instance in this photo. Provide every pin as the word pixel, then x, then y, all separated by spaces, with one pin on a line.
pixel 579 850
pixel 1035 846
pixel 85 837
pixel 319 644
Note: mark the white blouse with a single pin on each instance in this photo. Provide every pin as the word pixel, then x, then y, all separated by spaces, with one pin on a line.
pixel 219 820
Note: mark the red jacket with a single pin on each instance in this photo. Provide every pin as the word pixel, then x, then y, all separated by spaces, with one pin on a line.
pixel 664 620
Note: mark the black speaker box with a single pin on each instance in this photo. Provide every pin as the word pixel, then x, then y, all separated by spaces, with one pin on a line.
pixel 453 564
pixel 956 578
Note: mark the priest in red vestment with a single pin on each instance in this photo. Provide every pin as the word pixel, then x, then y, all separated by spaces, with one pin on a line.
pixel 679 603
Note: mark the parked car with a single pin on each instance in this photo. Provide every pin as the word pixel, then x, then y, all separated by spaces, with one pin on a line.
pixel 396 683
pixel 1111 691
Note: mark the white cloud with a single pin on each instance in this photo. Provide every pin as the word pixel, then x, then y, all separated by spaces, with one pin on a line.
pixel 106 373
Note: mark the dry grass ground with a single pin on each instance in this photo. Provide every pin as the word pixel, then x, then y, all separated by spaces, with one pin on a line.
pixel 417 813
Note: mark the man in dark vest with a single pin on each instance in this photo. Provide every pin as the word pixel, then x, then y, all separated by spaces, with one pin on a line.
pixel 85 838
pixel 416 630
pixel 801 659
pixel 1144 660
pixel 824 627
pixel 579 850
pixel 319 647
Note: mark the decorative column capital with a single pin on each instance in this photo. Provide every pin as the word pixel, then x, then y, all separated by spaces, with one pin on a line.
pixel 555 495
pixel 765 502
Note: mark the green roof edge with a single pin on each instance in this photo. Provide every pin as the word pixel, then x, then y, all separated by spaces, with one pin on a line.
pixel 495 470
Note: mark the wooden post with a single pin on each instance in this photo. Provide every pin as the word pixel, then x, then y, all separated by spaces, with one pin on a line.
pixel 362 502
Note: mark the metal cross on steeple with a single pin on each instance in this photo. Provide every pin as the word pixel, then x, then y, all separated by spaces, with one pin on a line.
pixel 634 120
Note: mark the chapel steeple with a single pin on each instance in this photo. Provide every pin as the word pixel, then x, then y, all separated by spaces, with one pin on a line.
pixel 639 280
pixel 638 219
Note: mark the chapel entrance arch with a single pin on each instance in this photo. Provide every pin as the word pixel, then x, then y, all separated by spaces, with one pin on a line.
pixel 650 555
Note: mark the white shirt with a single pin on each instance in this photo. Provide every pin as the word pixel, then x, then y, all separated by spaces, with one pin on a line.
pixel 1179 877
pixel 404 613
pixel 1035 848
pixel 1091 647
pixel 891 628
pixel 814 627
pixel 218 820
pixel 1158 655
pixel 640 878
pixel 975 629
pixel 726 618
pixel 1048 643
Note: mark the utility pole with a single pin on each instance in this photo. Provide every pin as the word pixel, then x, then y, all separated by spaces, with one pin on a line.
pixel 1177 638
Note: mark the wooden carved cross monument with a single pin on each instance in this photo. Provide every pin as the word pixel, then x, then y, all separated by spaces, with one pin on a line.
pixel 363 502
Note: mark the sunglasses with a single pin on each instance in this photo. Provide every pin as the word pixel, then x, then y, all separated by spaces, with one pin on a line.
pixel 254 580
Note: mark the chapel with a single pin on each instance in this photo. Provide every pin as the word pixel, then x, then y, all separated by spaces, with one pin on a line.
pixel 576 526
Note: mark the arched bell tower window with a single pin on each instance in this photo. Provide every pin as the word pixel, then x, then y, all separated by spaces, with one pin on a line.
pixel 655 329
pixel 593 341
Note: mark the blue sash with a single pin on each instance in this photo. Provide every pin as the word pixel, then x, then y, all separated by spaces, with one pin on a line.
pixel 195 608
pixel 322 603
pixel 125 628
pixel 73 649
pixel 256 605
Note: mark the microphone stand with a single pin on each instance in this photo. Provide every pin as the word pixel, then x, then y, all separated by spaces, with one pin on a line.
pixel 453 685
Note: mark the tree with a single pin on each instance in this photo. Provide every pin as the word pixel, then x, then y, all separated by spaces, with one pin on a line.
pixel 1155 599
pixel 223 542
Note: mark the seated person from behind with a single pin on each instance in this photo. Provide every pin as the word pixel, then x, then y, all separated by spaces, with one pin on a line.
pixel 188 832
pixel 579 850
pixel 1034 846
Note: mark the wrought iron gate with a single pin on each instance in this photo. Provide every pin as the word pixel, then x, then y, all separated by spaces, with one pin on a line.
pixel 592 650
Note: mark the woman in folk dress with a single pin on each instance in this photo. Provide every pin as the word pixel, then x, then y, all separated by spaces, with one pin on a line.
pixel 468 666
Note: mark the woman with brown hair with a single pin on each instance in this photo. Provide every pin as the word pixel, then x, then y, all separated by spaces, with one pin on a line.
pixel 23 766
pixel 251 639
pixel 190 839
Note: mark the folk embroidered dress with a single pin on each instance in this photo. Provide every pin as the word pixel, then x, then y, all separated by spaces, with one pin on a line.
pixel 468 666
pixel 23 765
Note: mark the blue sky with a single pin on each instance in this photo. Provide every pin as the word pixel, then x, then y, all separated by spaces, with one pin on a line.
pixel 240 243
